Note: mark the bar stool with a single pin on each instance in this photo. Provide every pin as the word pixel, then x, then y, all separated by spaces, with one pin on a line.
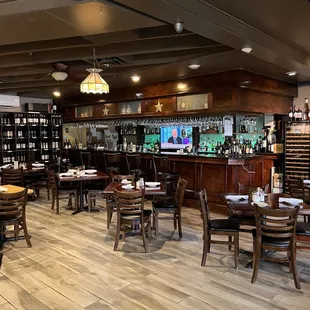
pixel 163 174
pixel 133 162
pixel 85 159
pixel 112 162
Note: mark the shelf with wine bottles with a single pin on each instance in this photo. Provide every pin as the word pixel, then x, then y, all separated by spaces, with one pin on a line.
pixel 297 150
pixel 30 136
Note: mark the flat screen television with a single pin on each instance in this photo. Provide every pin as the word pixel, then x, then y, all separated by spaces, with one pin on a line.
pixel 176 137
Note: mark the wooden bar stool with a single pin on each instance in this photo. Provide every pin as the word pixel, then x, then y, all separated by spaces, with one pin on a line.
pixel 163 174
pixel 133 162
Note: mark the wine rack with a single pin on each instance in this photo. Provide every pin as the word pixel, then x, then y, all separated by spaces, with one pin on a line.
pixel 29 137
pixel 297 151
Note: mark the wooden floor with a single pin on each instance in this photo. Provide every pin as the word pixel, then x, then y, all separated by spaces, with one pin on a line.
pixel 72 266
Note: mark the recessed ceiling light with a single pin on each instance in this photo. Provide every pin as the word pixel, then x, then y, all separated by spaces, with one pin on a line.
pixel 56 94
pixel 135 78
pixel 291 73
pixel 182 86
pixel 194 66
pixel 247 50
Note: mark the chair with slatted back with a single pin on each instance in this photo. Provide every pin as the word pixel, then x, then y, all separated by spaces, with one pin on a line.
pixel 112 162
pixel 16 177
pixel 275 231
pixel 59 192
pixel 247 220
pixel 221 227
pixel 13 213
pixel 13 176
pixel 296 189
pixel 85 158
pixel 133 162
pixel 110 203
pixel 162 173
pixel 131 216
pixel 172 208
pixel 303 235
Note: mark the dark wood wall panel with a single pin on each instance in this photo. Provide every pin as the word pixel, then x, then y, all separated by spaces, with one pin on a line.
pixel 254 101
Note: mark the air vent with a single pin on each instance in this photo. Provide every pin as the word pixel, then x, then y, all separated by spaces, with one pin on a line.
pixel 112 61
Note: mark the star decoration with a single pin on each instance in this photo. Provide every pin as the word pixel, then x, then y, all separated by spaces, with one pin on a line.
pixel 158 106
pixel 105 111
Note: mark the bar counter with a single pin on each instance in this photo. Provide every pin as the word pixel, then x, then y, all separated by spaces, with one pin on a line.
pixel 216 174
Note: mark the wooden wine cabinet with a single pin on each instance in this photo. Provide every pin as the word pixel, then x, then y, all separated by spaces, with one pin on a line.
pixel 297 150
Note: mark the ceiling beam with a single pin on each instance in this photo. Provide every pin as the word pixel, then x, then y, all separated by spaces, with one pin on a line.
pixel 202 18
pixel 36 84
pixel 24 6
pixel 116 49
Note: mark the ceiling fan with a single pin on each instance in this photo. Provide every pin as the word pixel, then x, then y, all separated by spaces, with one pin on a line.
pixel 60 72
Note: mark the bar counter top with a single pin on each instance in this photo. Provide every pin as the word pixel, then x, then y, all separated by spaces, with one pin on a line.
pixel 215 173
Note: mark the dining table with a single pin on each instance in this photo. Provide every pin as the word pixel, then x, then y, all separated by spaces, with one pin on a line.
pixel 154 191
pixel 80 178
pixel 241 205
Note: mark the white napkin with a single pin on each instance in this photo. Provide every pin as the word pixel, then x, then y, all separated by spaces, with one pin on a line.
pixel 261 204
pixel 292 201
pixel 5 166
pixel 3 189
pixel 152 188
pixel 237 197
pixel 307 182
pixel 65 175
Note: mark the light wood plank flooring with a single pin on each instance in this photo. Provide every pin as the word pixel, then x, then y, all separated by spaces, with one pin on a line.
pixel 72 266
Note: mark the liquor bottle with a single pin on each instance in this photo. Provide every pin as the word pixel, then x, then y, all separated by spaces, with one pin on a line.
pixel 125 145
pixel 293 113
pixel 264 146
pixel 290 115
pixel 306 110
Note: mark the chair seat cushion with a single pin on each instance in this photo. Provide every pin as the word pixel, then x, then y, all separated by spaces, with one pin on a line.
pixel 303 229
pixel 224 224
pixel 273 241
pixel 146 213
pixel 164 205
pixel 30 191
pixel 243 220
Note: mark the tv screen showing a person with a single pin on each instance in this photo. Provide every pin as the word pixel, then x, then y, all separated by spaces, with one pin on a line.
pixel 175 137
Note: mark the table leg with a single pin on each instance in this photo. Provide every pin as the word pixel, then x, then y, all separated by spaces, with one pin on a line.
pixel 81 206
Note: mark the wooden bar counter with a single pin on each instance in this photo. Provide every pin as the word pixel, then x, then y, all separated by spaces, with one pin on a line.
pixel 216 174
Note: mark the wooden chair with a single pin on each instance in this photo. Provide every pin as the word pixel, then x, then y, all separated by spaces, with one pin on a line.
pixel 247 220
pixel 61 192
pixel 221 227
pixel 16 177
pixel 112 162
pixel 275 231
pixel 110 202
pixel 13 213
pixel 163 174
pixel 131 216
pixel 133 162
pixel 85 158
pixel 173 207
pixel 303 235
pixel 296 189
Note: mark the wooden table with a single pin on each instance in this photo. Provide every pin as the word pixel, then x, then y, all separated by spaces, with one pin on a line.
pixel 109 190
pixel 98 176
pixel 246 208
